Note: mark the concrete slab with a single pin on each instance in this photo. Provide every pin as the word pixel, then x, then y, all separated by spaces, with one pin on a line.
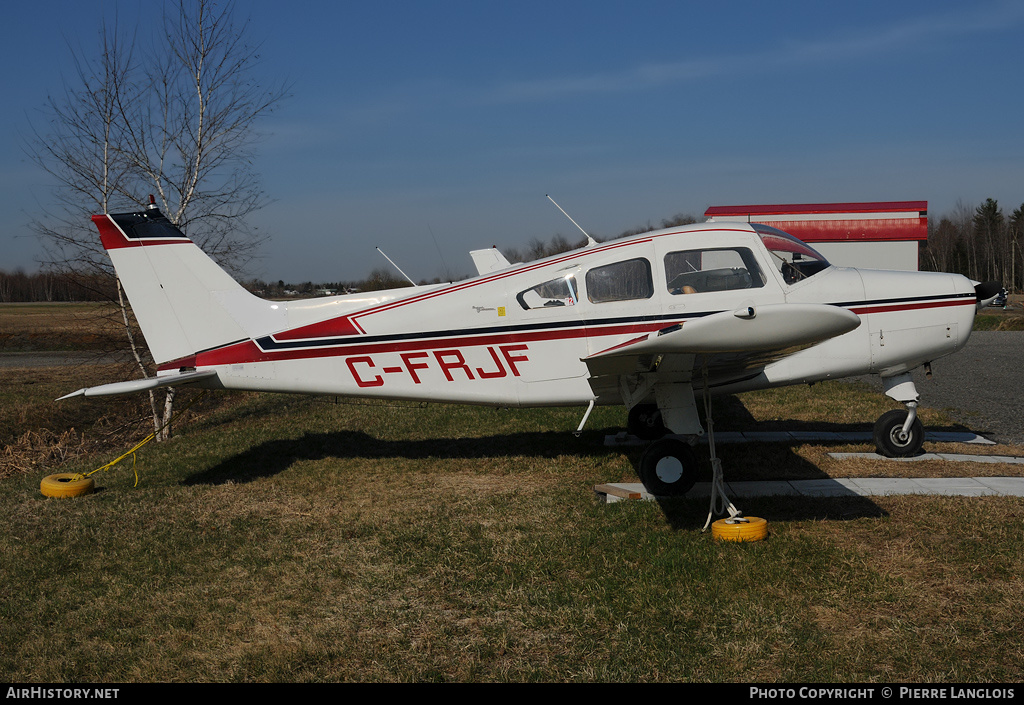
pixel 840 487
pixel 832 436
pixel 826 488
pixel 957 457
pixel 1011 486
pixel 729 437
pixel 953 486
pixel 624 439
pixel 957 437
pixel 951 457
pixel 882 486
pixel 768 436
pixel 876 456
pixel 765 488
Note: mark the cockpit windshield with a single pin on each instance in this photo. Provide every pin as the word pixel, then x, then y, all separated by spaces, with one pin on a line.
pixel 793 258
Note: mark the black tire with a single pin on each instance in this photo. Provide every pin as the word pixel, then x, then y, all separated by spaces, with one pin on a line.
pixel 887 435
pixel 645 422
pixel 668 468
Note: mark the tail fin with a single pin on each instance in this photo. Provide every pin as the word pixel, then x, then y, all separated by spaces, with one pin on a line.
pixel 184 302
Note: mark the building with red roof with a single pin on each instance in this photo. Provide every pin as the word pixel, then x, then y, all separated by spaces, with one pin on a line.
pixel 879 235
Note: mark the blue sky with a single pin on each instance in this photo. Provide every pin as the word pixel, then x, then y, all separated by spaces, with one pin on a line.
pixel 432 128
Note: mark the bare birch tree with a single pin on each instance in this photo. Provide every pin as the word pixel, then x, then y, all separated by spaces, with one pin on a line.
pixel 177 121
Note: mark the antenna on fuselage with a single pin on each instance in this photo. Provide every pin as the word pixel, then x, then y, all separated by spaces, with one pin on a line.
pixel 396 267
pixel 590 240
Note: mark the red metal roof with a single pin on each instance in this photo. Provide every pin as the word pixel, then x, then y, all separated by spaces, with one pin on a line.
pixel 807 208
pixel 856 230
pixel 913 226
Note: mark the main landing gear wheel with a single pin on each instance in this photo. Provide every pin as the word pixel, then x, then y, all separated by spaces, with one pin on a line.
pixel 668 468
pixel 890 440
pixel 645 422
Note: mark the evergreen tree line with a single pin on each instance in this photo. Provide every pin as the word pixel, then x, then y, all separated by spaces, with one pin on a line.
pixel 980 243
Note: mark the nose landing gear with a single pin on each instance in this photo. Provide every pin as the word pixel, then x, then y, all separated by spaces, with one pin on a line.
pixel 900 434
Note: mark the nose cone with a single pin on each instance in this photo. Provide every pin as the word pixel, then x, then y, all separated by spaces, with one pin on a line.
pixel 986 292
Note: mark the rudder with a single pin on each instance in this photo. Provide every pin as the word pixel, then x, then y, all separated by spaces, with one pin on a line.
pixel 184 302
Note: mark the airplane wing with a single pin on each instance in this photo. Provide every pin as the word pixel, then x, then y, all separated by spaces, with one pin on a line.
pixel 729 341
pixel 139 385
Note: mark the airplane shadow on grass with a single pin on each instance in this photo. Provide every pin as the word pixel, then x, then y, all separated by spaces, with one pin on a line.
pixel 747 461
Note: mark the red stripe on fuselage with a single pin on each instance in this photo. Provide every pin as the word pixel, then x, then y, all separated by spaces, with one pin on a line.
pixel 249 351
pixel 860 311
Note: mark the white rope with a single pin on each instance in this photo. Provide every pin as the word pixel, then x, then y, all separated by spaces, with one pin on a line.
pixel 720 503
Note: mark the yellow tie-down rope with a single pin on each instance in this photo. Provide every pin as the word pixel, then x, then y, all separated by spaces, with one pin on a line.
pixel 73 484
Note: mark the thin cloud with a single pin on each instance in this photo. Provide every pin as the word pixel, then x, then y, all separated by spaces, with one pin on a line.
pixel 907 34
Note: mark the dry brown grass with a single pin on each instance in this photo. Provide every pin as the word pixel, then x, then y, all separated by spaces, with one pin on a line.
pixel 40 449
pixel 60 326
pixel 38 433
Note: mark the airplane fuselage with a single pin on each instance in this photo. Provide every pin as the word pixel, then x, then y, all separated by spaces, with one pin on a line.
pixel 648 321
pixel 522 336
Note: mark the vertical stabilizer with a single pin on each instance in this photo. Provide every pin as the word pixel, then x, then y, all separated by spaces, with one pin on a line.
pixel 183 301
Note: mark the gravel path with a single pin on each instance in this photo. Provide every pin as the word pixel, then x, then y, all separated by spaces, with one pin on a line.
pixel 981 386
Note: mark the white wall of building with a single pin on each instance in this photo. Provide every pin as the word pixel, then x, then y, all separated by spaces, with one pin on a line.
pixel 895 254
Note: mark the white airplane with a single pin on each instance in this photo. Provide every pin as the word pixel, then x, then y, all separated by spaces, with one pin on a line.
pixel 651 321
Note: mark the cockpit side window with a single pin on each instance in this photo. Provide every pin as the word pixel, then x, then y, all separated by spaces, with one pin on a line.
pixel 551 294
pixel 794 259
pixel 623 281
pixel 720 269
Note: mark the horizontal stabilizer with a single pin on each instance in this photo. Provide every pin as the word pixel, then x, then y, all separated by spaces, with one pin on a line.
pixel 141 385
pixel 489 260
pixel 772 327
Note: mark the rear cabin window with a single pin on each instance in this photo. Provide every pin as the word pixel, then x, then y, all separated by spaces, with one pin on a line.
pixel 622 281
pixel 551 294
pixel 699 271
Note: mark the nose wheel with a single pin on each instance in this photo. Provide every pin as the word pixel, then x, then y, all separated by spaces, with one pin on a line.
pixel 899 434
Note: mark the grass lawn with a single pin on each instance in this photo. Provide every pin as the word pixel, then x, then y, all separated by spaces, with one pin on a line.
pixel 280 538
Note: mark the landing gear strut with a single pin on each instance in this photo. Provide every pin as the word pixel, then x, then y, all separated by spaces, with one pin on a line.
pixel 668 467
